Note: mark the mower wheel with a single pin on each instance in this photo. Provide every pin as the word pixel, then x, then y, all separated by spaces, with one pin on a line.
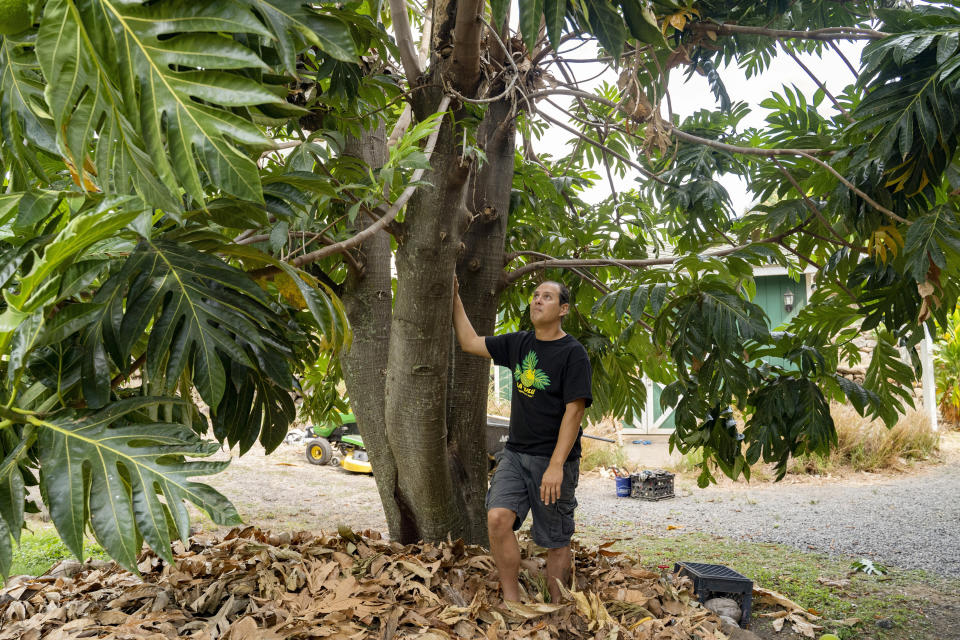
pixel 319 451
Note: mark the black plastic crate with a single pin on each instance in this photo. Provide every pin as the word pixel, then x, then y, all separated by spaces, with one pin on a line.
pixel 652 485
pixel 716 580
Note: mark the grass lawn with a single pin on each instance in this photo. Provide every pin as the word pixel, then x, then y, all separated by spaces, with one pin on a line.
pixel 919 606
pixel 41 549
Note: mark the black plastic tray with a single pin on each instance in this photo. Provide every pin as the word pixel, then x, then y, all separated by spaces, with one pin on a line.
pixel 716 580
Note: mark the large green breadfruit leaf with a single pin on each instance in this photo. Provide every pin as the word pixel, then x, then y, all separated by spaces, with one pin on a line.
pixel 21 117
pixel 14 442
pixel 196 308
pixel 252 406
pixel 295 23
pixel 791 417
pixel 166 70
pixel 125 476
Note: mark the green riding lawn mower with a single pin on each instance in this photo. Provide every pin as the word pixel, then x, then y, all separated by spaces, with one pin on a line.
pixel 338 442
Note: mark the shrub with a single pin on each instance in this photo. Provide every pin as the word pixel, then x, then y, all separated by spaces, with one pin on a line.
pixel 862 445
pixel 595 454
pixel 947 368
pixel 867 445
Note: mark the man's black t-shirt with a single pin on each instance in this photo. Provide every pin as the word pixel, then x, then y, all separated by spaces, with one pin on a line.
pixel 547 374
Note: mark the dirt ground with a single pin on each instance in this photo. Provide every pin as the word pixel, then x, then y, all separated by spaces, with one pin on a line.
pixel 284 492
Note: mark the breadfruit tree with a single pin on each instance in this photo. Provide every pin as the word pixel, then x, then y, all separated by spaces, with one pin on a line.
pixel 202 201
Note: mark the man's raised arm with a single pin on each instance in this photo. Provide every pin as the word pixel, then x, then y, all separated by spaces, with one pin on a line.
pixel 466 335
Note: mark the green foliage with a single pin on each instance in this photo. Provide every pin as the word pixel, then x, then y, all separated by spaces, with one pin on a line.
pixel 869 567
pixel 107 469
pixel 912 80
pixel 947 368
pixel 132 135
pixel 322 396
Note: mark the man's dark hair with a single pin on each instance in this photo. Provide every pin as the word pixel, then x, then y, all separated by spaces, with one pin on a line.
pixel 562 288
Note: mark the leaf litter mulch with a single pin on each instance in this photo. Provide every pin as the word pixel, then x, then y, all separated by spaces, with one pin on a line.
pixel 252 584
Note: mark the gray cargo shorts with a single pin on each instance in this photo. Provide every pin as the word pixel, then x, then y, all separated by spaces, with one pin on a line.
pixel 516 486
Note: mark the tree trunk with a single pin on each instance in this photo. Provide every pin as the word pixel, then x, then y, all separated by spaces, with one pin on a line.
pixel 480 270
pixel 417 371
pixel 432 480
pixel 368 299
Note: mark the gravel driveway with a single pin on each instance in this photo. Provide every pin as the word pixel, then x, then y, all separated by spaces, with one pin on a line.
pixel 905 520
pixel 908 521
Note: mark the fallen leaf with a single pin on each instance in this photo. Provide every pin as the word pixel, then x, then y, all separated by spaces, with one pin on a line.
pixel 531 611
pixel 847 622
pixel 250 584
pixel 837 584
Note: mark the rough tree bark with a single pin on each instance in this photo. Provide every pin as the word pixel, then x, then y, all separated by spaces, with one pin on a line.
pixel 480 270
pixel 367 298
pixel 420 343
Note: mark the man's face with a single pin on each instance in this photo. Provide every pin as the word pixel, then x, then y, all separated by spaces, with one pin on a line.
pixel 545 305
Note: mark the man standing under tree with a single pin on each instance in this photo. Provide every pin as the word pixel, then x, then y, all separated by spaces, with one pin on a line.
pixel 539 468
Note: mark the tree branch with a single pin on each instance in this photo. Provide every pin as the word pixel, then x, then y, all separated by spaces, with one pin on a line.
pixel 567 75
pixel 282 144
pixel 822 86
pixel 516 274
pixel 408 52
pixel 750 151
pixel 266 236
pixel 599 286
pixel 619 156
pixel 509 86
pixel 836 49
pixel 423 50
pixel 873 203
pixel 818 267
pixel 806 153
pixel 465 68
pixel 683 135
pixel 815 210
pixel 830 33
pixel 689 137
pixel 423 53
pixel 388 217
pixel 123 376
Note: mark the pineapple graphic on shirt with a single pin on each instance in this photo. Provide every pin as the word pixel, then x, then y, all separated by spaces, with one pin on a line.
pixel 529 379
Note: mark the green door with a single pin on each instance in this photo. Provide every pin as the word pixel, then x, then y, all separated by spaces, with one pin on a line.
pixel 654 419
pixel 770 297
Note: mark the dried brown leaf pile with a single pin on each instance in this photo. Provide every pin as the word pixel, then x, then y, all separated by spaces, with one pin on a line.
pixel 255 585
